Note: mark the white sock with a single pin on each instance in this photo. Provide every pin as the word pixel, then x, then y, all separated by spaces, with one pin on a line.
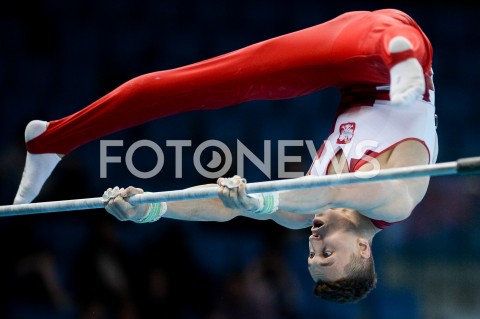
pixel 38 167
pixel 407 81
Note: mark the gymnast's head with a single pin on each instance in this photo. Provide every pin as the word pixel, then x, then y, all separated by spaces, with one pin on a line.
pixel 340 259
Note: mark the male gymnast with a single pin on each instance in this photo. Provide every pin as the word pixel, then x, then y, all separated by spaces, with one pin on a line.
pixel 382 63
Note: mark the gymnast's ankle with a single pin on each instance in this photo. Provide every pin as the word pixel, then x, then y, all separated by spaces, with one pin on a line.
pixel 407 79
pixel 38 167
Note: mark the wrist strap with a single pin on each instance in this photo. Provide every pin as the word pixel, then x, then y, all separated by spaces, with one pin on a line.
pixel 268 203
pixel 155 211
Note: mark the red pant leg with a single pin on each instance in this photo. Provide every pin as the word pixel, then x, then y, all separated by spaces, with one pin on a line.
pixel 288 66
pixel 361 52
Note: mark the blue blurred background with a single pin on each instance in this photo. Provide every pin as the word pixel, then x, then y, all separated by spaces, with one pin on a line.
pixel 56 57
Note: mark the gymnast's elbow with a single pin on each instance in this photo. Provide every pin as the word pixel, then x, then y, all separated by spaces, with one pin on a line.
pixel 399 205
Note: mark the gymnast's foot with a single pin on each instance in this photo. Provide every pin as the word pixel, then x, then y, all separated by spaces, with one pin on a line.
pixel 407 81
pixel 38 167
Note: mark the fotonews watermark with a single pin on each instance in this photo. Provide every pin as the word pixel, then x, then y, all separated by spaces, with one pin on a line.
pixel 219 165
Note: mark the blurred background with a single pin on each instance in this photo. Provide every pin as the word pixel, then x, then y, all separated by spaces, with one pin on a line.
pixel 57 57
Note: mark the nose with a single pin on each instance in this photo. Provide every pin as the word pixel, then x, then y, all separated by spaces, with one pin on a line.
pixel 315 242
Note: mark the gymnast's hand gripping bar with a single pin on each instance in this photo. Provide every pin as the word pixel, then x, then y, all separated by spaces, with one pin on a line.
pixel 464 166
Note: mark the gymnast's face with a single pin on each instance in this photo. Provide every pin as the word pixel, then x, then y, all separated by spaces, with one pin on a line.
pixel 333 241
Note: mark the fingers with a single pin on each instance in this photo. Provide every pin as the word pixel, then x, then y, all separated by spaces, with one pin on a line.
pixel 119 208
pixel 227 192
pixel 242 188
pixel 230 198
pixel 116 202
pixel 232 192
pixel 110 193
pixel 231 183
pixel 130 191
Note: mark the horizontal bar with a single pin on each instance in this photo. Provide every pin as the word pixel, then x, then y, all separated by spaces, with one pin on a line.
pixel 465 166
pixel 448 168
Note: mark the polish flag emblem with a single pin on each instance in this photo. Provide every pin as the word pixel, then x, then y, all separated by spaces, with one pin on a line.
pixel 346 133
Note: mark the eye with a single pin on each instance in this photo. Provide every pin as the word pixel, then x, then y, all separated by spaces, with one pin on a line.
pixel 311 255
pixel 327 253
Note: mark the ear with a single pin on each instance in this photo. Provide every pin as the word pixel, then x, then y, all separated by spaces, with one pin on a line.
pixel 365 250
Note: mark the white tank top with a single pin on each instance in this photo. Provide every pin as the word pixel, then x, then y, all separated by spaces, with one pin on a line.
pixel 363 132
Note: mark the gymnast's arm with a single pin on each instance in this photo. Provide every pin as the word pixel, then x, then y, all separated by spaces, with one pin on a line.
pixel 391 200
pixel 210 209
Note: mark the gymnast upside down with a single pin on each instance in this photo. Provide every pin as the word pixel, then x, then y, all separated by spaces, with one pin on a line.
pixel 381 62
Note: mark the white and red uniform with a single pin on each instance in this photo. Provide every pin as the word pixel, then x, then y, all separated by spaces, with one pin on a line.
pixel 365 130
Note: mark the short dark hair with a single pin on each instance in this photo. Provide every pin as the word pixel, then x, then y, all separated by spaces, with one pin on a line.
pixel 361 279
